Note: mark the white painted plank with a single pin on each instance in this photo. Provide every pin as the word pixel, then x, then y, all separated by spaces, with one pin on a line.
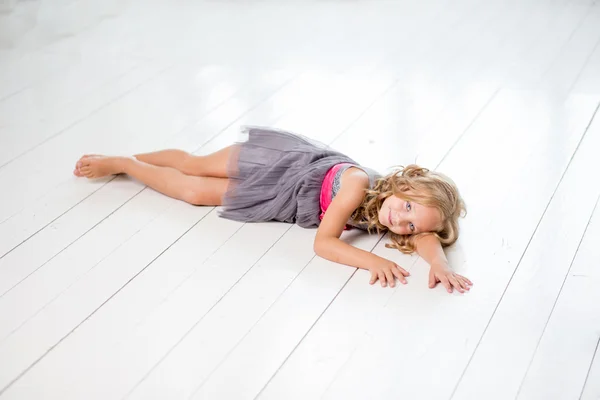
pixel 420 338
pixel 312 365
pixel 591 391
pixel 137 350
pixel 120 128
pixel 280 329
pixel 335 98
pixel 246 353
pixel 19 263
pixel 503 355
pixel 51 241
pixel 465 51
pixel 34 325
pixel 37 215
pixel 197 139
pixel 40 100
pixel 413 120
pixel 37 24
pixel 31 220
pixel 256 385
pixel 566 350
pixel 98 280
pixel 574 55
pixel 17 318
pixel 48 117
pixel 185 356
pixel 186 352
pixel 540 57
pixel 157 280
pixel 323 352
pixel 450 71
pixel 22 71
pixel 52 205
pixel 348 315
pixel 198 26
pixel 405 112
pixel 229 321
pixel 255 293
pixel 421 129
pixel 134 371
pixel 157 376
pixel 27 292
pixel 532 19
pixel 340 96
pixel 589 80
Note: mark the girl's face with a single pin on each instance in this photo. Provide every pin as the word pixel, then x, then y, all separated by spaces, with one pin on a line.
pixel 405 217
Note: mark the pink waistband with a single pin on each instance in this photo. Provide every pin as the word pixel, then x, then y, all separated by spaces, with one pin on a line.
pixel 327 188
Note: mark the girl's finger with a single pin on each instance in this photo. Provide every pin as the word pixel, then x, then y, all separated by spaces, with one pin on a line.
pixel 463 283
pixel 390 277
pixel 432 280
pixel 446 283
pixel 466 280
pixel 373 278
pixel 399 275
pixel 382 279
pixel 402 270
pixel 456 284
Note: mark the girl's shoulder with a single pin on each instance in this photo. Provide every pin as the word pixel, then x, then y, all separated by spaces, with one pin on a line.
pixel 355 176
pixel 359 175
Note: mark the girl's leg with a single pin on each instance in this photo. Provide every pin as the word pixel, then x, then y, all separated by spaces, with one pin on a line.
pixel 214 164
pixel 205 191
pixel 165 158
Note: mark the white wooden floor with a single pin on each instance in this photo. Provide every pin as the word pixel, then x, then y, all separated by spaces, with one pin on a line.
pixel 109 290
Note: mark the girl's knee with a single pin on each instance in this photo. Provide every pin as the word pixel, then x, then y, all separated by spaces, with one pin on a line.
pixel 194 196
pixel 192 165
pixel 203 196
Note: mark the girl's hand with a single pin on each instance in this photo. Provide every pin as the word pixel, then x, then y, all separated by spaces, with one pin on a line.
pixel 385 271
pixel 451 280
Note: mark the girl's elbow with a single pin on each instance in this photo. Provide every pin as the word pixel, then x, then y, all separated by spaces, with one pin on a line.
pixel 319 246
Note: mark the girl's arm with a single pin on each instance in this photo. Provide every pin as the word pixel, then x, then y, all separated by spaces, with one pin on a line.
pixel 430 250
pixel 327 241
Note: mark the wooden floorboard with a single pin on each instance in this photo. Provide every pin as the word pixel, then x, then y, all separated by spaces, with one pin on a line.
pixel 110 290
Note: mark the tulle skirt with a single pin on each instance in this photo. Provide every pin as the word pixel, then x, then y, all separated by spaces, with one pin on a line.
pixel 276 176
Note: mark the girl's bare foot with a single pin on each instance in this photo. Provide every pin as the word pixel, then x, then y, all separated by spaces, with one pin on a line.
pixel 95 166
pixel 76 171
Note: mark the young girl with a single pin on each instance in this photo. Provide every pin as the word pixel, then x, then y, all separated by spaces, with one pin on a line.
pixel 279 176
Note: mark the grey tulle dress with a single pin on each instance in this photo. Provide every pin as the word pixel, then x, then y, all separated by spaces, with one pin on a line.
pixel 276 175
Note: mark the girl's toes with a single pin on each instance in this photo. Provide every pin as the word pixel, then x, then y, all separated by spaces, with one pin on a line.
pixel 88 157
pixel 86 171
pixel 83 161
pixel 76 172
pixel 85 157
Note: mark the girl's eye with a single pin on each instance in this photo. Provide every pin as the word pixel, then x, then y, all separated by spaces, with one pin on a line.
pixel 408 206
pixel 412 227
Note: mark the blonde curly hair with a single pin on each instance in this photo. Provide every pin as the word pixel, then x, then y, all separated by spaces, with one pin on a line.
pixel 428 188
